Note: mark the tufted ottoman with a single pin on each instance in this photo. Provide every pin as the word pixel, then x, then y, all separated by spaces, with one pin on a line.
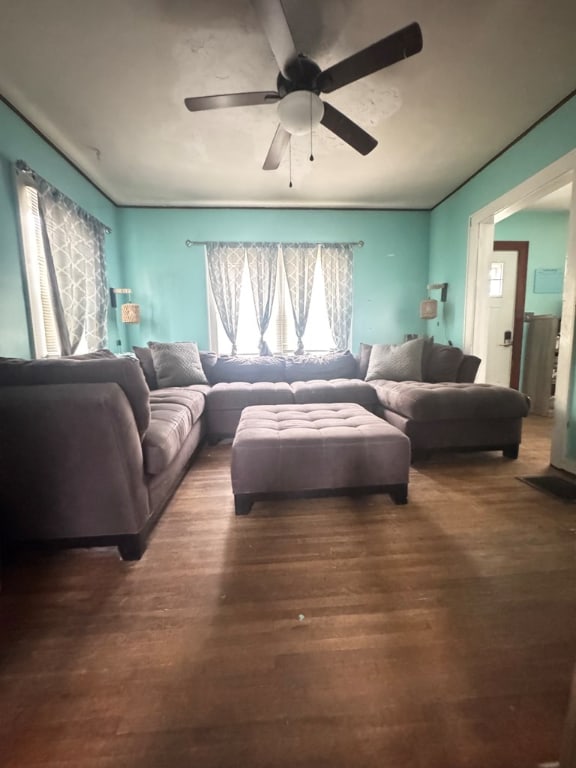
pixel 316 449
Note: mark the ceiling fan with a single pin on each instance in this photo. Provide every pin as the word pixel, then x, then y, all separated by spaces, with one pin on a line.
pixel 300 81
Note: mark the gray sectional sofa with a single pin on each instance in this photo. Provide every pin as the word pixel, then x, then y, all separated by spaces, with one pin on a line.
pixel 92 449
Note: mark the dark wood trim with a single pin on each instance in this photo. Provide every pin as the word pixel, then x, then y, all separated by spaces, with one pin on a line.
pixel 253 207
pixel 507 147
pixel 521 247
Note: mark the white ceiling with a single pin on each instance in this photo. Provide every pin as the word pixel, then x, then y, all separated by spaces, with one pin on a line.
pixel 105 82
pixel 559 200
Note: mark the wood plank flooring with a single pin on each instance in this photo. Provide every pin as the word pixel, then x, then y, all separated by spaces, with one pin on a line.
pixel 326 632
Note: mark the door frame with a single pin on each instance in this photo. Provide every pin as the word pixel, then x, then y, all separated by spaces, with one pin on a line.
pixel 480 242
pixel 521 247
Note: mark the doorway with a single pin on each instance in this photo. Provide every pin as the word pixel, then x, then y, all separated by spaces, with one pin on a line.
pixel 484 229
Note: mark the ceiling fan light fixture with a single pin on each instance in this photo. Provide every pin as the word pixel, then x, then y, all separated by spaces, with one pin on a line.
pixel 300 111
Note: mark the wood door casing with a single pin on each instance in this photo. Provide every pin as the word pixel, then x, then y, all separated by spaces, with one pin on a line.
pixel 521 248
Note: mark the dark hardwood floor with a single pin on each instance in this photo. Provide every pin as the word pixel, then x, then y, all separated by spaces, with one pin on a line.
pixel 329 632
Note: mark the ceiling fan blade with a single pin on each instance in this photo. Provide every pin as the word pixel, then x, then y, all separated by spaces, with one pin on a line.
pixel 397 46
pixel 277 149
pixel 347 130
pixel 201 103
pixel 273 20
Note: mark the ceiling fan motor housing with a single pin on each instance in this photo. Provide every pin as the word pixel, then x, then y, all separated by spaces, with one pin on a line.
pixel 301 74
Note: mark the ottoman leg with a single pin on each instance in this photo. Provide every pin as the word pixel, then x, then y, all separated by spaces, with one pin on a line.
pixel 242 503
pixel 399 493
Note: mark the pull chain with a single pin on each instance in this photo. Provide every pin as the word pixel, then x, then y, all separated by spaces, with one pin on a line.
pixel 290 163
pixel 311 152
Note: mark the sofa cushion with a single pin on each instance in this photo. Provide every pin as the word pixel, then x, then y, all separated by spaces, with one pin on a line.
pixel 334 365
pixel 335 391
pixel 423 401
pixel 363 359
pixel 98 354
pixel 174 412
pixel 468 368
pixel 144 356
pixel 239 394
pixel 396 362
pixel 231 368
pixel 124 371
pixel 440 362
pixel 177 363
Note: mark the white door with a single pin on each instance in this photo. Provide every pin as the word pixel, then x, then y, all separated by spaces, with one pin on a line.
pixel 501 287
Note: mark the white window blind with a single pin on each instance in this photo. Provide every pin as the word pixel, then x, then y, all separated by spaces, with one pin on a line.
pixel 45 332
pixel 45 329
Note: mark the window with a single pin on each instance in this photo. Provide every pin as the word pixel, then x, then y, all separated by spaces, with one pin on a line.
pixel 63 254
pixel 281 334
pixel 496 280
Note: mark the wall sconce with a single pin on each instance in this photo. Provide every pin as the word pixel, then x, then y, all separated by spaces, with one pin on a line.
pixel 129 312
pixel 429 307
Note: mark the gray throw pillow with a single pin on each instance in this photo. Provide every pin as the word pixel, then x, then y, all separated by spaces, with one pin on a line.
pixel 177 364
pixel 396 362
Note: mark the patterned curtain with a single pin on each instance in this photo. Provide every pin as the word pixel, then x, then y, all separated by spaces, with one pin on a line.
pixel 74 249
pixel 336 263
pixel 299 264
pixel 225 267
pixel 263 268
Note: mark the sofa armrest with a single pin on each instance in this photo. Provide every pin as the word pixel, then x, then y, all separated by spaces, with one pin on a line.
pixel 70 462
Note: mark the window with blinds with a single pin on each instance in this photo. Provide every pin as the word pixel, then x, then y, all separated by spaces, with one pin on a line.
pixel 281 336
pixel 41 307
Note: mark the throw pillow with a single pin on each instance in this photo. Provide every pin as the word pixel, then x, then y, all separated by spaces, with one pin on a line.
pixel 177 364
pixel 396 362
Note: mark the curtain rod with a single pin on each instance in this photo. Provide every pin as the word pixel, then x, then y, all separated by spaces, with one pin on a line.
pixel 190 243
pixel 22 167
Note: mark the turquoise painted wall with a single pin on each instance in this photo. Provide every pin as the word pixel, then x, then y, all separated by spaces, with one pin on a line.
pixel 18 141
pixel 449 223
pixel 169 279
pixel 547 234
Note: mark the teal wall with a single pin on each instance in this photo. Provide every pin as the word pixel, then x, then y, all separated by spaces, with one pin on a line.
pixel 169 279
pixel 19 142
pixel 546 143
pixel 547 234
pixel 146 251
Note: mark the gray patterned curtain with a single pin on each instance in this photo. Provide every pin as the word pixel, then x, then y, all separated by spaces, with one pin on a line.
pixel 225 267
pixel 263 268
pixel 299 264
pixel 74 249
pixel 337 263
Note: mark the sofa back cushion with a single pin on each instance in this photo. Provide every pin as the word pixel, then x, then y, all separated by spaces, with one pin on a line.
pixel 124 371
pixel 334 365
pixel 468 369
pixel 363 359
pixel 144 355
pixel 441 362
pixel 250 370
